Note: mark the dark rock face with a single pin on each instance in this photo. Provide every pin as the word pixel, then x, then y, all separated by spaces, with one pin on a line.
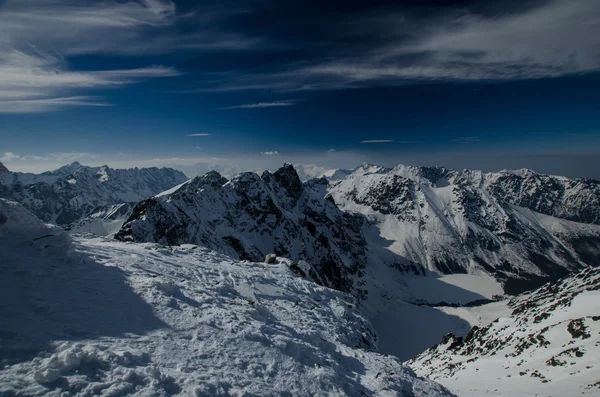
pixel 251 216
pixel 68 194
pixel 3 170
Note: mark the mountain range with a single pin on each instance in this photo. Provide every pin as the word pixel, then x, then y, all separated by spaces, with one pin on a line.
pixel 414 219
pixel 70 193
pixel 521 227
pixel 251 216
pixel 273 267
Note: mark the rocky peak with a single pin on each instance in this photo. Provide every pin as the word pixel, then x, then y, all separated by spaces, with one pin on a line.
pixel 67 169
pixel 287 177
pixel 212 178
pixel 3 170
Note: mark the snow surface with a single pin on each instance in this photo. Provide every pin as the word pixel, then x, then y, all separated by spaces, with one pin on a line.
pixel 103 221
pixel 97 316
pixel 546 342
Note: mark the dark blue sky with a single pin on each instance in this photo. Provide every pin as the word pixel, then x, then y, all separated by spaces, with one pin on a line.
pixel 478 84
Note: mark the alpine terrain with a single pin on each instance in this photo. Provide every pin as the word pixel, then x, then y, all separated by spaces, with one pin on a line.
pixel 521 227
pixel 94 316
pixel 70 193
pixel 544 342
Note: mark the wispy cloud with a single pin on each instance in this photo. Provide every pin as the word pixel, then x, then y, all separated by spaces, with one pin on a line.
pixel 48 104
pixel 468 139
pixel 377 141
pixel 259 105
pixel 59 157
pixel 271 153
pixel 552 39
pixel 39 82
pixel 198 134
pixel 122 27
pixel 38 37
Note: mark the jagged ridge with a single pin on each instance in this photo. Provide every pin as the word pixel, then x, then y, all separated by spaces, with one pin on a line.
pixel 251 216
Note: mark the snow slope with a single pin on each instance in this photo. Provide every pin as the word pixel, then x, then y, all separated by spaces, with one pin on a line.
pixel 105 317
pixel 68 194
pixel 461 223
pixel 545 342
pixel 103 221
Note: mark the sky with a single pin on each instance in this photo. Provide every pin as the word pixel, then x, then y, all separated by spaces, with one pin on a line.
pixel 466 84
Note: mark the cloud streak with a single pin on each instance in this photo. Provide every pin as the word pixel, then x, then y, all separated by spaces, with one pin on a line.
pixel 74 27
pixel 58 157
pixel 556 38
pixel 377 141
pixel 40 82
pixel 198 134
pixel 260 105
pixel 38 37
pixel 468 139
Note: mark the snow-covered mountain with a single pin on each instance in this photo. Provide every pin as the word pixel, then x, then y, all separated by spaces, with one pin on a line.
pixel 573 199
pixel 93 316
pixel 103 221
pixel 473 222
pixel 251 216
pixel 229 169
pixel 68 194
pixel 3 170
pixel 545 342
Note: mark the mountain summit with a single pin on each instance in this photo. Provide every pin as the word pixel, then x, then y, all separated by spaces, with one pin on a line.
pixel 3 170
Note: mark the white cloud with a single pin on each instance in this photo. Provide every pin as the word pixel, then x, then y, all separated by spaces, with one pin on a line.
pixel 38 37
pixel 116 27
pixel 289 102
pixel 8 156
pixel 59 157
pixel 555 38
pixel 40 82
pixel 271 153
pixel 377 141
pixel 198 134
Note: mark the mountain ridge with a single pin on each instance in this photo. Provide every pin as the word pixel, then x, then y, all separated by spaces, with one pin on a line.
pixel 69 193
pixel 463 222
